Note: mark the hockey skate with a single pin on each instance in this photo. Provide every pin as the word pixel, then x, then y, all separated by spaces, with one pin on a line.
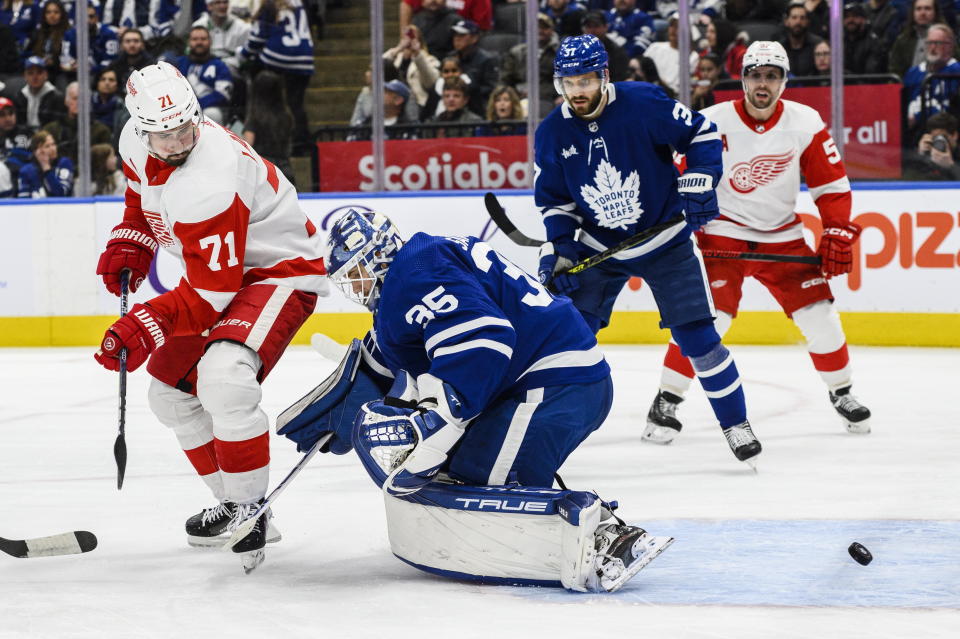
pixel 210 527
pixel 855 415
pixel 622 552
pixel 743 443
pixel 251 547
pixel 662 422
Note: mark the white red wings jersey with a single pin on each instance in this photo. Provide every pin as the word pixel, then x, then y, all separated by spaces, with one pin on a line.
pixel 762 165
pixel 229 216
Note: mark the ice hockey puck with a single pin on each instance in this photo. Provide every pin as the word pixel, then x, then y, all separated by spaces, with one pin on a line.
pixel 860 553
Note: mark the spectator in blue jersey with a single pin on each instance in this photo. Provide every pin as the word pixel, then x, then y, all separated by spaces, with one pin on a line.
pixel 605 173
pixel 209 76
pixel 629 27
pixel 941 94
pixel 513 72
pixel 280 39
pixel 228 33
pixel 45 175
pixel 153 18
pixel 479 64
pixel 104 43
pixel 22 16
pixel 133 56
pixel 105 100
pixel 504 114
pixel 38 102
pixel 566 15
pixel 48 41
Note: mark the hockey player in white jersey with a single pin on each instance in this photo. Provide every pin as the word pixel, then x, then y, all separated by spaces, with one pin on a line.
pixel 253 267
pixel 767 144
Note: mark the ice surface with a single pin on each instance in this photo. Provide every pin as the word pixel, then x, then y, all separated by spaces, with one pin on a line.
pixel 757 555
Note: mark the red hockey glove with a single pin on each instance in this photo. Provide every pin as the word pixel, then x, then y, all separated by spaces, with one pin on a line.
pixel 131 247
pixel 836 256
pixel 140 331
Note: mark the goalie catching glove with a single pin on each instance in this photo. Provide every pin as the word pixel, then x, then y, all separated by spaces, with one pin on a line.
pixel 404 445
pixel 131 247
pixel 140 332
pixel 836 248
pixel 698 198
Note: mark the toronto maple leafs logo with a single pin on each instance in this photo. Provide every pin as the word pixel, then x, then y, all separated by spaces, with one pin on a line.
pixel 760 171
pixel 615 202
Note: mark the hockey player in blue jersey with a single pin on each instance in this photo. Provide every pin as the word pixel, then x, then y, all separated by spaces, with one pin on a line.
pixel 604 172
pixel 494 383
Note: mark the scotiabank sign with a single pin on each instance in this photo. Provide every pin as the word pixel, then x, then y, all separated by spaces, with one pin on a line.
pixel 871 124
pixel 427 165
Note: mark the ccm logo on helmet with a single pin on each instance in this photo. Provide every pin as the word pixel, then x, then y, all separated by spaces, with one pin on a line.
pixel 172 116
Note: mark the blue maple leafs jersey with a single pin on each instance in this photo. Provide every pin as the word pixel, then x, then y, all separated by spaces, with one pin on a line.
pixel 614 176
pixel 455 308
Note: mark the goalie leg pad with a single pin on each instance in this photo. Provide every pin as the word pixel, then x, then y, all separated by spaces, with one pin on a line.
pixel 514 535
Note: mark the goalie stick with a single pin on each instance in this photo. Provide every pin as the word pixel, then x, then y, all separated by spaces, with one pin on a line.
pixel 761 257
pixel 71 543
pixel 244 528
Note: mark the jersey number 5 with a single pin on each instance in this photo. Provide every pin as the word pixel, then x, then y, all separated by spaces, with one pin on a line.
pixel 217 243
pixel 831 151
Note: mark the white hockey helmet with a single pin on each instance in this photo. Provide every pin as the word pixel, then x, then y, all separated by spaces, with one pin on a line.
pixel 160 99
pixel 766 53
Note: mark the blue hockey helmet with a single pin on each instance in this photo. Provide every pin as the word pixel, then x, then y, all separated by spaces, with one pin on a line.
pixel 365 239
pixel 578 55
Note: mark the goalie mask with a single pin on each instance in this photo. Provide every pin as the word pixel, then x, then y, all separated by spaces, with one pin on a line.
pixel 359 250
pixel 764 53
pixel 165 112
pixel 585 56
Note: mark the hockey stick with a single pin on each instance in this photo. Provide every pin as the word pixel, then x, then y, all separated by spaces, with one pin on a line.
pixel 71 543
pixel 247 524
pixel 761 257
pixel 120 445
pixel 499 217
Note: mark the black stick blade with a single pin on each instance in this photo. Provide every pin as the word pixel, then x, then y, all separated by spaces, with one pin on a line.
pixel 71 543
pixel 120 454
pixel 499 217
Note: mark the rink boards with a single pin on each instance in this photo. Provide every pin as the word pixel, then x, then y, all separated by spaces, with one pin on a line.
pixel 903 290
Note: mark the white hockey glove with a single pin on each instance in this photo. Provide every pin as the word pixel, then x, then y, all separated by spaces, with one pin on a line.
pixel 437 427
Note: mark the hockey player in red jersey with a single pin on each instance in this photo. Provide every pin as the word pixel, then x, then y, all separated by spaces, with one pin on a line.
pixel 253 270
pixel 767 144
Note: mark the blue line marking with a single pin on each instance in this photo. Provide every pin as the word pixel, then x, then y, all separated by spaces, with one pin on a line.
pixel 916 564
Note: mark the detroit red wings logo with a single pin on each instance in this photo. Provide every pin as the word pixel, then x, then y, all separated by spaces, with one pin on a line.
pixel 760 171
pixel 159 229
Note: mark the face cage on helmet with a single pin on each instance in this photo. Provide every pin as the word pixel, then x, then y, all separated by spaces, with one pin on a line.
pixel 376 269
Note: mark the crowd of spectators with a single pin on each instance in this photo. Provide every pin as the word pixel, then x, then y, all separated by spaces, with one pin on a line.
pixel 223 47
pixel 457 66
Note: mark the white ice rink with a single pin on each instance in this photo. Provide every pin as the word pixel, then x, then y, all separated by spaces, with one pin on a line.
pixel 755 555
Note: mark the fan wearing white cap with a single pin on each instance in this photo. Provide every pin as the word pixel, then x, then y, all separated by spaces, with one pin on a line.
pixel 253 269
pixel 768 144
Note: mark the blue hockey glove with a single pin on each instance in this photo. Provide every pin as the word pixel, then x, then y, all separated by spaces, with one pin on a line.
pixel 331 406
pixel 698 199
pixel 555 258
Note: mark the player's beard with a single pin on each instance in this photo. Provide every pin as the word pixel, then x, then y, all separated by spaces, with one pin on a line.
pixel 178 159
pixel 769 99
pixel 586 108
